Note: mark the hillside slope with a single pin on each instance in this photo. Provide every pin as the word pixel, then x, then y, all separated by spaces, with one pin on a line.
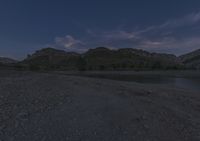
pixel 50 58
pixel 125 59
pixel 191 60
pixel 101 58
pixel 4 60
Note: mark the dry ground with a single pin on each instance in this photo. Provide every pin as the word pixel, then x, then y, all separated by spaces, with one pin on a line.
pixel 54 107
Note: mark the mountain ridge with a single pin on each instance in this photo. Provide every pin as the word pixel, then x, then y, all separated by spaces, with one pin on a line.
pixel 5 60
pixel 192 59
pixel 103 58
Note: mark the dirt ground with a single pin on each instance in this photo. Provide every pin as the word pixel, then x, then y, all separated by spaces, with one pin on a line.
pixel 56 107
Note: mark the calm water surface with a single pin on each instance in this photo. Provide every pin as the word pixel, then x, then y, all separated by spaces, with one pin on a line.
pixel 185 83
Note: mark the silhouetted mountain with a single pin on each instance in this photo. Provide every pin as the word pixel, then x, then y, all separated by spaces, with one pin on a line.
pixel 50 58
pixel 125 59
pixel 191 60
pixel 100 58
pixel 7 63
pixel 4 60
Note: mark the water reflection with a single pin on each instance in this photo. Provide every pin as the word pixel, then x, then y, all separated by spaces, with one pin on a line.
pixel 186 83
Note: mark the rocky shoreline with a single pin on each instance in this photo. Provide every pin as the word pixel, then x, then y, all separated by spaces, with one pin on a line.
pixel 49 107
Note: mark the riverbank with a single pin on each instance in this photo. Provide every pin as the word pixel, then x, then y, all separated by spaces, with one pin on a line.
pixel 166 73
pixel 49 107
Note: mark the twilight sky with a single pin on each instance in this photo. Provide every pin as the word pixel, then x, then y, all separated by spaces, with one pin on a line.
pixel 169 26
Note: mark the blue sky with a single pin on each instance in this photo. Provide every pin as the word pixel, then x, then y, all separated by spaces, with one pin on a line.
pixel 169 26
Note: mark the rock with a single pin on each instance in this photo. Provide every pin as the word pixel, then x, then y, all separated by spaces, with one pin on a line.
pixel 23 116
pixel 149 92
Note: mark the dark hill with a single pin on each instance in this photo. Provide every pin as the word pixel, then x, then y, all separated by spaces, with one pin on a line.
pixel 100 58
pixel 4 60
pixel 191 60
pixel 127 59
pixel 50 58
pixel 7 63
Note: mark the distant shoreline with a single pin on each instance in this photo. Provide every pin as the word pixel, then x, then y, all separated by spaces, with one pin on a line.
pixel 167 73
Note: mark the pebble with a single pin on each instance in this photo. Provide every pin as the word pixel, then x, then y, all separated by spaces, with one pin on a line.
pixel 23 116
pixel 149 92
pixel 2 127
pixel 146 126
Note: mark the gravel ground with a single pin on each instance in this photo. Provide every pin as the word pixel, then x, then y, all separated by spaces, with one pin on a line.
pixel 54 107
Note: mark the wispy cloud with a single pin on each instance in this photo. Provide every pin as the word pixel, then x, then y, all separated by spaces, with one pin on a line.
pixel 118 34
pixel 67 42
pixel 171 45
pixel 164 28
pixel 189 19
pixel 160 38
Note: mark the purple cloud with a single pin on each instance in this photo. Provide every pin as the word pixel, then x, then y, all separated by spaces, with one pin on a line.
pixel 67 42
pixel 158 38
